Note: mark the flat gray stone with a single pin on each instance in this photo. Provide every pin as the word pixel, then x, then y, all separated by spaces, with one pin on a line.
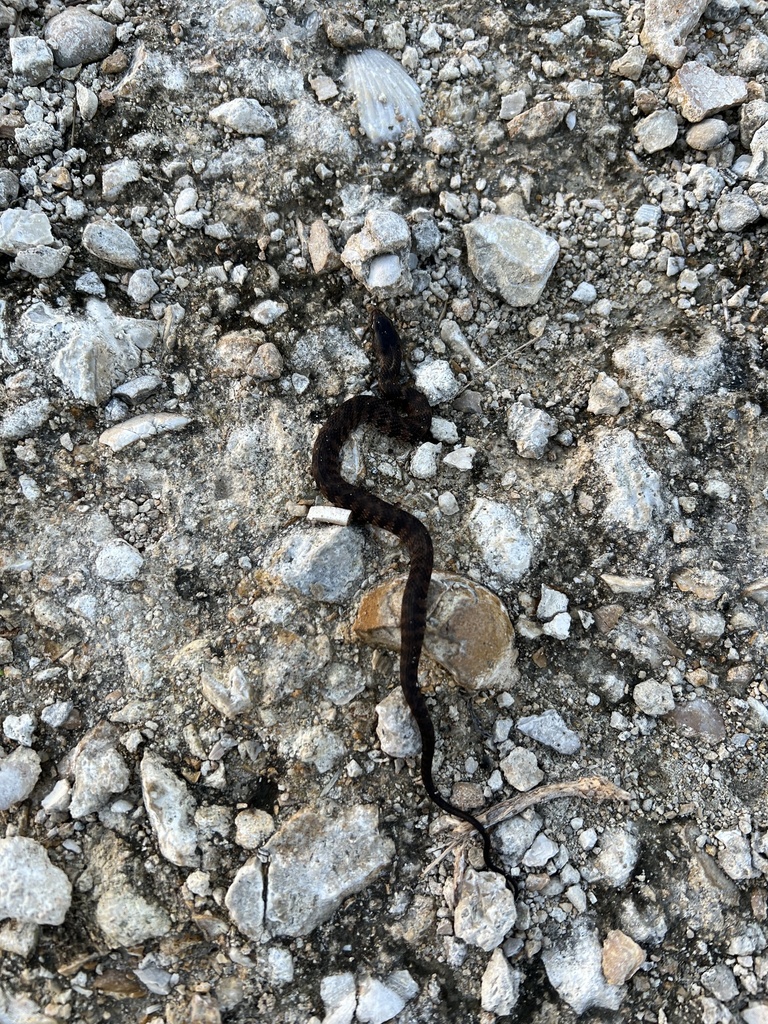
pixel 23 229
pixel 504 544
pixel 699 92
pixel 666 27
pixel 736 211
pixel 99 770
pixel 25 420
pixel 326 564
pixel 632 487
pixel 485 912
pixel 243 115
pixel 510 256
pixel 657 131
pixel 111 243
pixel 19 772
pixel 171 809
pixel 38 138
pixel 125 918
pixel 42 261
pixel 550 729
pixel 574 968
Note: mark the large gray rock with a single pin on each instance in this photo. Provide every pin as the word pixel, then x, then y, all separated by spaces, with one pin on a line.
pixel 78 37
pixel 317 861
pixel 510 256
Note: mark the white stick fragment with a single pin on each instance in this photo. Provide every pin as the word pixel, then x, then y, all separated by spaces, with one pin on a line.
pixel 139 427
pixel 329 514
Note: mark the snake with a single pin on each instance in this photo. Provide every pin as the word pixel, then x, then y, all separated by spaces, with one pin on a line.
pixel 399 411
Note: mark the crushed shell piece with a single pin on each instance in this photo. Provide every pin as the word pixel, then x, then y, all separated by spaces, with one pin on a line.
pixel 139 427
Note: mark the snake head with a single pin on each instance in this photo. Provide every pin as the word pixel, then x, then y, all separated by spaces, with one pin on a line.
pixel 388 350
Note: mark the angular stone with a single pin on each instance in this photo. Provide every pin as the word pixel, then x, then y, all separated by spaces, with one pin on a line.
pixel 37 138
pixel 550 729
pixel 322 251
pixel 530 429
pixel 510 256
pixel 574 968
pixel 126 918
pixel 171 809
pixel 622 957
pixel 653 698
pixel 111 243
pixel 667 25
pixel 19 772
pixel 699 91
pixel 325 564
pixel 538 121
pixel 485 912
pixel 500 987
pixel 243 115
pixel 20 230
pixel 633 489
pixel 99 770
pixel 42 261
pixel 503 542
pixel 657 131
pixel 25 420
pixel 316 862
pixel 33 890
pixel 396 727
pixel 31 59
pixel 245 899
pixel 656 371
pixel 736 211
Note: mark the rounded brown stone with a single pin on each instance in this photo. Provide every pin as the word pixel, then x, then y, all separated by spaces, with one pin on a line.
pixel 469 631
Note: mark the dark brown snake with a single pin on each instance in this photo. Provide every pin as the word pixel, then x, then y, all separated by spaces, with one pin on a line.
pixel 398 411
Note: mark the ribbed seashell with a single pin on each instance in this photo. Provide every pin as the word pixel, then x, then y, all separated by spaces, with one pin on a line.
pixel 388 99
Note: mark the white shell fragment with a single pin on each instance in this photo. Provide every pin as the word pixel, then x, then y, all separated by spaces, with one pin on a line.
pixel 140 427
pixel 329 514
pixel 388 99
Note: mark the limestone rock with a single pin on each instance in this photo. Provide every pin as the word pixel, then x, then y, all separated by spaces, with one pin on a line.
pixel 33 890
pixel 510 256
pixel 317 861
pixel 667 25
pixel 699 92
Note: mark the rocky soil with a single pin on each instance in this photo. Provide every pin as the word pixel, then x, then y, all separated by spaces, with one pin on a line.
pixel 212 808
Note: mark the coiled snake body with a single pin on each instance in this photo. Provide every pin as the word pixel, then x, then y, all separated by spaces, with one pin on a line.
pixel 401 412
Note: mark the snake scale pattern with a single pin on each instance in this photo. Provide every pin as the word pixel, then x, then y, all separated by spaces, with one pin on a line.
pixel 399 411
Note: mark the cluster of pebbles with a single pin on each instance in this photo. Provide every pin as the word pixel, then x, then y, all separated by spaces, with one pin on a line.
pixel 209 780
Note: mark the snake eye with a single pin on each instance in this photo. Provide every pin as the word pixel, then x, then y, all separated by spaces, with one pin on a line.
pixel 387 341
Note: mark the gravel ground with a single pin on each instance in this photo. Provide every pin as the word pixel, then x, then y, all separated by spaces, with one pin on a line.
pixel 211 802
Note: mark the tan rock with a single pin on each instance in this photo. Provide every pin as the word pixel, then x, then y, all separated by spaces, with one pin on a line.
pixel 469 631
pixel 322 252
pixel 706 584
pixel 537 122
pixel 622 957
pixel 698 91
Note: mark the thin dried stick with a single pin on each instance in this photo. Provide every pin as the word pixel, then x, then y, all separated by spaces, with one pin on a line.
pixel 591 787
